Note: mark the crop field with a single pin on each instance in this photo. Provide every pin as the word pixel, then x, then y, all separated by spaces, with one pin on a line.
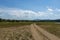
pixel 21 30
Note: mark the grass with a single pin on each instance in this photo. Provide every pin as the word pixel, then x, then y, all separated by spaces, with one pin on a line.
pixel 52 27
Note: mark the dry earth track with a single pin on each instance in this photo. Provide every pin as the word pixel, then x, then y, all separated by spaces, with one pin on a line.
pixel 41 34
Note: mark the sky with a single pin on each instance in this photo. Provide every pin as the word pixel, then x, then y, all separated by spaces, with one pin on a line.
pixel 30 9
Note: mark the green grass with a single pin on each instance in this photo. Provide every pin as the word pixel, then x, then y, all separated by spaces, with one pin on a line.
pixel 51 27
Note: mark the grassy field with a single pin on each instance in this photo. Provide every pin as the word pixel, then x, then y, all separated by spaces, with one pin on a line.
pixel 52 27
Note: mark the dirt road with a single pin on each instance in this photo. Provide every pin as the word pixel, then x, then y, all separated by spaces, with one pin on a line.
pixel 36 35
pixel 41 34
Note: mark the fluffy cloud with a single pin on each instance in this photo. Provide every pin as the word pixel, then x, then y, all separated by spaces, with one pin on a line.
pixel 29 14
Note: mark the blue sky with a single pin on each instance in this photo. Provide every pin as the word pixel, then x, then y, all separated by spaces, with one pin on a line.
pixel 30 9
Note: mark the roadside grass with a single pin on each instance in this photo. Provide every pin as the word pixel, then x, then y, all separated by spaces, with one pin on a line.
pixel 51 27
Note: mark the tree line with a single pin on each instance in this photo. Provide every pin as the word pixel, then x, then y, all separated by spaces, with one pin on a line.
pixel 9 20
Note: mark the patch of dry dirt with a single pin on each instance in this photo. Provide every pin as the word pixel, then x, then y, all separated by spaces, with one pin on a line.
pixel 15 33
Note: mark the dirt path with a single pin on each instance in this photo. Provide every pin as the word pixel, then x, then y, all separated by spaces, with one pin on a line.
pixel 37 36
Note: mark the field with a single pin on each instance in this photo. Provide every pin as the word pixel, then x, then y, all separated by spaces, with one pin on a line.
pixel 15 31
pixel 21 30
pixel 52 27
pixel 14 24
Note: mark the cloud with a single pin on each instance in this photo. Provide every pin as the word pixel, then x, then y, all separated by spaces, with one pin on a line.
pixel 29 14
pixel 49 9
pixel 24 14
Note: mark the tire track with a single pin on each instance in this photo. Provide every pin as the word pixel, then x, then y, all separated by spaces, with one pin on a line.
pixel 38 36
pixel 35 34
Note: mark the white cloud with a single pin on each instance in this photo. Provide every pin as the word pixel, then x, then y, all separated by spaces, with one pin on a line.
pixel 27 14
pixel 49 9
